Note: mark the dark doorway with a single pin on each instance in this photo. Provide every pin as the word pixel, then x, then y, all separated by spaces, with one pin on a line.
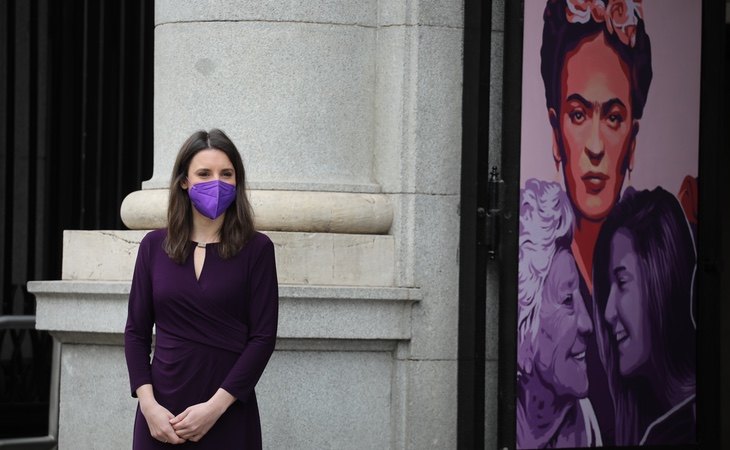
pixel 75 139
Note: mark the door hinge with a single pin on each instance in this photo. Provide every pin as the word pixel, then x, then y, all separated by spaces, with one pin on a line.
pixel 495 188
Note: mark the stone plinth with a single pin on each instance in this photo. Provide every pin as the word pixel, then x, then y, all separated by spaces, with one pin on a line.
pixel 303 258
pixel 335 341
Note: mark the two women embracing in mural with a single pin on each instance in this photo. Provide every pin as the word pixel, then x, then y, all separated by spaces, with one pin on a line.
pixel 606 330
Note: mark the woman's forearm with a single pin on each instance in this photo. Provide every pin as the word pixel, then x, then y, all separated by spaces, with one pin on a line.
pixel 146 396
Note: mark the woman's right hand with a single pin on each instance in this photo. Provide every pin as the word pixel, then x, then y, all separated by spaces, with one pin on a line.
pixel 157 416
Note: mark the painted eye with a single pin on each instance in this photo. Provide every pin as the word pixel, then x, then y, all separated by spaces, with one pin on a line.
pixel 577 117
pixel 615 120
pixel 568 300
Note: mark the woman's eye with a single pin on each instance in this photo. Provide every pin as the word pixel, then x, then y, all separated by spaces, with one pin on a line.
pixel 614 120
pixel 577 117
pixel 568 300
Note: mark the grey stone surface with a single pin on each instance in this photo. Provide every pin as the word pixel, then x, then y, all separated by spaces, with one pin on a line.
pixel 498 15
pixel 394 108
pixel 431 415
pixel 305 312
pixel 96 410
pixel 418 119
pixel 495 99
pixel 306 258
pixel 306 399
pixel 100 254
pixel 404 220
pixel 491 404
pixel 436 13
pixel 360 12
pixel 303 109
pixel 441 13
pixel 491 351
pixel 326 400
pixel 436 240
pixel 438 126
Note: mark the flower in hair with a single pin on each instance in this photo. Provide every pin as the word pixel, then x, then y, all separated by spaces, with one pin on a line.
pixel 620 16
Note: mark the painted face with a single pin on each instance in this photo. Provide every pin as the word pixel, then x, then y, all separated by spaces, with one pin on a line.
pixel 595 126
pixel 627 310
pixel 564 326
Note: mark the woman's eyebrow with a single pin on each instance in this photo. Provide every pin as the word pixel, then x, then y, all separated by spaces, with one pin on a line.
pixel 606 107
pixel 579 98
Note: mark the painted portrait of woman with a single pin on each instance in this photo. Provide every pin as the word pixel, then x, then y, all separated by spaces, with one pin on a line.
pixel 645 327
pixel 553 327
pixel 610 102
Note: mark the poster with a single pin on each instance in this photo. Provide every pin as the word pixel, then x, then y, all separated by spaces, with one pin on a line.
pixel 606 329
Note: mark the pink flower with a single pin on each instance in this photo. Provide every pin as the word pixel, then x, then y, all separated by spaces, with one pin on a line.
pixel 622 16
pixel 581 11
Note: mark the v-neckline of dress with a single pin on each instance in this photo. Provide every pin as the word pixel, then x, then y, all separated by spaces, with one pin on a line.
pixel 205 247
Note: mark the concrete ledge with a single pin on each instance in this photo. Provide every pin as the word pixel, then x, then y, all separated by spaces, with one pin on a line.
pixel 89 311
pixel 302 258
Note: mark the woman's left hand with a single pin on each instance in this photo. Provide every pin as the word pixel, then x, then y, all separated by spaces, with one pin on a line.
pixel 195 421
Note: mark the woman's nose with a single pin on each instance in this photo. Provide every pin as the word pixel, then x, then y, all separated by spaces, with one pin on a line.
pixel 594 145
pixel 585 324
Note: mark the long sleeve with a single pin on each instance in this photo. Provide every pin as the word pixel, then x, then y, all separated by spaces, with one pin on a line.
pixel 263 312
pixel 140 319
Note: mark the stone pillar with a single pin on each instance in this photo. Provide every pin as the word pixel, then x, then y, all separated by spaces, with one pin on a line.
pixel 293 87
pixel 348 118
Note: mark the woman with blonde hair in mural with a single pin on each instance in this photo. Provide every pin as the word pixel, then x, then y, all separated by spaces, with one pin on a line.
pixel 208 285
pixel 644 289
pixel 553 327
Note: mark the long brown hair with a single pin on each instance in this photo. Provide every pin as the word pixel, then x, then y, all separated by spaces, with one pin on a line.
pixel 238 226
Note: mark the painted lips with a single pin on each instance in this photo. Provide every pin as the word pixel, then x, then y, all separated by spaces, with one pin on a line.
pixel 594 182
pixel 579 352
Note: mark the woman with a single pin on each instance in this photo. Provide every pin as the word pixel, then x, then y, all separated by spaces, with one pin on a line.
pixel 208 285
pixel 553 328
pixel 644 277
pixel 596 66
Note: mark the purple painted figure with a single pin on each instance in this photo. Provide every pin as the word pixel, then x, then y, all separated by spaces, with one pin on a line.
pixel 644 290
pixel 553 327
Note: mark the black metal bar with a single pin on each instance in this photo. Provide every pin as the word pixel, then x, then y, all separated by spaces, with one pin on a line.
pixel 17 322
pixel 713 195
pixel 472 249
pixel 511 119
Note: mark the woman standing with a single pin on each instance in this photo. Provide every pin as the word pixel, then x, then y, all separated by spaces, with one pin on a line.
pixel 208 285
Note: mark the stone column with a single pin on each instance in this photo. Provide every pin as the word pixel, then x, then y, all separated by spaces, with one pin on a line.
pixel 293 85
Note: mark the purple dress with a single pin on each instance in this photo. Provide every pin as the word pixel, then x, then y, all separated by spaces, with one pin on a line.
pixel 216 331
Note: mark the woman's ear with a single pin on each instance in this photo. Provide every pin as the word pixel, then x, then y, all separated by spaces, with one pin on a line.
pixel 184 183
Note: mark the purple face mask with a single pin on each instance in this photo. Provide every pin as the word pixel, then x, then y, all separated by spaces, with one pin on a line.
pixel 212 198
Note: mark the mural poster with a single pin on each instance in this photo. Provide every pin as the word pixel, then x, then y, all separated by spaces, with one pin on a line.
pixel 608 217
